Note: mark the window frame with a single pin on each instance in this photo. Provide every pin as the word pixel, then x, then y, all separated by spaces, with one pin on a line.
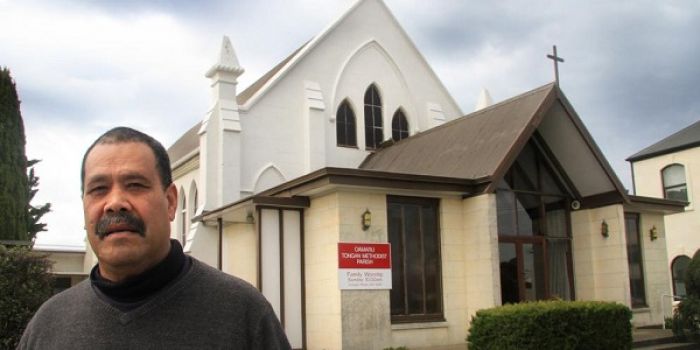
pixel 639 301
pixel 665 188
pixel 424 203
pixel 510 194
pixel 403 133
pixel 374 122
pixel 346 123
pixel 674 278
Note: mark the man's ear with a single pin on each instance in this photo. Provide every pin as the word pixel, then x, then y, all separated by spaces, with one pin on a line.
pixel 171 196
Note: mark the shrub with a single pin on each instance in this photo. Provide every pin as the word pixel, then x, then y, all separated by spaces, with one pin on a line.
pixel 25 284
pixel 688 313
pixel 692 276
pixel 552 325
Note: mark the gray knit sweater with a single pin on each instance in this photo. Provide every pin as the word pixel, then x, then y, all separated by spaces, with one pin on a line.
pixel 204 309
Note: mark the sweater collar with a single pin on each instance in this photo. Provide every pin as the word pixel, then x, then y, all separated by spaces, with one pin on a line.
pixel 140 287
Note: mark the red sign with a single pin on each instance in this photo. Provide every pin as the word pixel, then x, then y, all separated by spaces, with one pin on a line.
pixel 364 255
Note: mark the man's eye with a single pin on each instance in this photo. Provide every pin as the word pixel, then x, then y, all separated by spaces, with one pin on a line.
pixel 135 185
pixel 97 190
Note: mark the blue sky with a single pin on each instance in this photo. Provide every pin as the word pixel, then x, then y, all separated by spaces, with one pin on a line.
pixel 81 67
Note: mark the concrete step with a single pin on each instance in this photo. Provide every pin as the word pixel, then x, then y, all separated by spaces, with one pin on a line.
pixel 659 339
pixel 669 346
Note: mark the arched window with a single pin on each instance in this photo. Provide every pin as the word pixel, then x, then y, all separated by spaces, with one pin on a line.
pixel 399 126
pixel 374 133
pixel 196 199
pixel 679 265
pixel 345 131
pixel 183 216
pixel 673 177
pixel 192 205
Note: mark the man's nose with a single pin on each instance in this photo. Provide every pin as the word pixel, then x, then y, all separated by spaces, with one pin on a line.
pixel 117 201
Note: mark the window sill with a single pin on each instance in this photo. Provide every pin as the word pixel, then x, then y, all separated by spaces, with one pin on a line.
pixel 419 325
pixel 640 309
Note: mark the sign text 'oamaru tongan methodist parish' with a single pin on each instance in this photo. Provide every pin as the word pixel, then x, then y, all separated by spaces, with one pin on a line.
pixel 364 265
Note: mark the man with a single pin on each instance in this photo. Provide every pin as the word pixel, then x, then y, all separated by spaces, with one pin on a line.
pixel 145 292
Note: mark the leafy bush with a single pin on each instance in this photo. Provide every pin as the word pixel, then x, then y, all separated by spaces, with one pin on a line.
pixel 552 325
pixel 687 317
pixel 25 284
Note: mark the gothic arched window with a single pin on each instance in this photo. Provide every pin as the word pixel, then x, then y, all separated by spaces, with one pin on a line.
pixel 399 126
pixel 345 131
pixel 374 133
pixel 192 205
pixel 183 217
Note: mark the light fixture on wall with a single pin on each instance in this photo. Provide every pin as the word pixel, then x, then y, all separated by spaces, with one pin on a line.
pixel 604 229
pixel 366 220
pixel 653 234
pixel 575 205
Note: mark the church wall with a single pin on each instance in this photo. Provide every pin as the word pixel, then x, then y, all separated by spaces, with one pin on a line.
pixel 323 297
pixel 271 136
pixel 366 315
pixel 240 257
pixel 682 228
pixel 600 264
pixel 657 278
pixel 480 248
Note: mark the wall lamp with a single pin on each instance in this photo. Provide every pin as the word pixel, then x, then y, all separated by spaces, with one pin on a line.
pixel 366 220
pixel 604 229
pixel 653 233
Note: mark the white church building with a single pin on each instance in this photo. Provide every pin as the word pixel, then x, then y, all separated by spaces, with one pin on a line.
pixel 353 139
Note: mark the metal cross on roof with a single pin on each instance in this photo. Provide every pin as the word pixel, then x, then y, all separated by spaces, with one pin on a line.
pixel 556 60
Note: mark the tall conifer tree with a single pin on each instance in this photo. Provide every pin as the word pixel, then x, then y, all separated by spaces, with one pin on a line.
pixel 13 164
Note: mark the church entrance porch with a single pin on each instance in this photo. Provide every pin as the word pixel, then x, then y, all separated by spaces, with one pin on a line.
pixel 534 230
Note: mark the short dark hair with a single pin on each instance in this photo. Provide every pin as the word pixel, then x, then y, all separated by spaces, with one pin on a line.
pixel 124 134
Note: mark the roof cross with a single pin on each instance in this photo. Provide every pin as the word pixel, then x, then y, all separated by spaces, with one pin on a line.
pixel 556 60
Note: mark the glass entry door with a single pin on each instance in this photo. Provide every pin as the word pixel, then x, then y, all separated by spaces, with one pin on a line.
pixel 522 270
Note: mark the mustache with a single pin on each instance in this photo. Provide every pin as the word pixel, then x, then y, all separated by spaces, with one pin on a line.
pixel 125 220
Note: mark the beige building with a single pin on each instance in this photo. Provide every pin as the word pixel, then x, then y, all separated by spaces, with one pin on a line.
pixel 353 139
pixel 71 264
pixel 670 169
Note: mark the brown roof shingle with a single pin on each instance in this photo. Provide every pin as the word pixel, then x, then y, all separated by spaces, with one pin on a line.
pixel 471 147
pixel 188 142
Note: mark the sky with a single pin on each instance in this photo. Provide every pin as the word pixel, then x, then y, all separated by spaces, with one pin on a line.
pixel 81 67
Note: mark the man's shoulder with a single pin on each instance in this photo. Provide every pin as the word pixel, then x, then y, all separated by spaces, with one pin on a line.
pixel 54 313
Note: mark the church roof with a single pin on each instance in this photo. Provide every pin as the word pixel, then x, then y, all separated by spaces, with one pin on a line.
pixel 186 144
pixel 683 139
pixel 483 145
pixel 246 94
pixel 471 147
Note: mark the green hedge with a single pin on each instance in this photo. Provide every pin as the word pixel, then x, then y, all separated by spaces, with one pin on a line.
pixel 552 325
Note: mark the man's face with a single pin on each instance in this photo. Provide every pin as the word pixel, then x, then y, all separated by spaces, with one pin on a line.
pixel 127 212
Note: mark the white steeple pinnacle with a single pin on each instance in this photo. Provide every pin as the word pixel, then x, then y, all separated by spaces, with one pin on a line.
pixel 484 100
pixel 228 62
